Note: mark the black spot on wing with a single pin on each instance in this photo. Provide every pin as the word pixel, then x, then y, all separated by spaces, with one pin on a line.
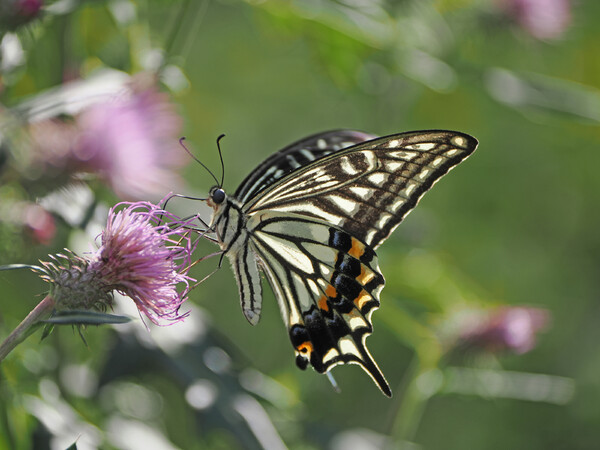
pixel 346 286
pixel 301 362
pixel 298 335
pixel 367 256
pixel 342 304
pixel 348 265
pixel 340 240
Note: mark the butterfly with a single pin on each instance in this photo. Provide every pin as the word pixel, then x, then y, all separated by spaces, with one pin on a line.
pixel 311 216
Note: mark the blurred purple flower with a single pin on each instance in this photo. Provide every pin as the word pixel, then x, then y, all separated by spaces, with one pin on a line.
pixel 511 329
pixel 543 19
pixel 132 143
pixel 145 254
pixel 28 8
pixel 14 13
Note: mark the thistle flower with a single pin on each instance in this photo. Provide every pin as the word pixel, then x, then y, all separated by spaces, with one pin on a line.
pixel 129 142
pixel 132 143
pixel 511 329
pixel 543 19
pixel 145 254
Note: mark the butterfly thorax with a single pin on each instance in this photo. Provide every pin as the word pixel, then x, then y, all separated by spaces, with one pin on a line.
pixel 228 220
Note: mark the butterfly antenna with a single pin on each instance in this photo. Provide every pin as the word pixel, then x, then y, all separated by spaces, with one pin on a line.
pixel 221 157
pixel 197 160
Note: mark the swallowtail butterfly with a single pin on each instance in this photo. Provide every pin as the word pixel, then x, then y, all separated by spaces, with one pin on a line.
pixel 311 217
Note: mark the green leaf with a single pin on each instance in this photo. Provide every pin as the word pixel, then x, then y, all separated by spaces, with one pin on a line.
pixel 20 266
pixel 47 330
pixel 75 317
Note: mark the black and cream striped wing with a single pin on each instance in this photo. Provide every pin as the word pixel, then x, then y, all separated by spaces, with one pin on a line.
pixel 327 284
pixel 367 190
pixel 294 156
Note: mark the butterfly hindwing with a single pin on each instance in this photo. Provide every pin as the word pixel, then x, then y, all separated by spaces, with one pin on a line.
pixel 369 188
pixel 327 283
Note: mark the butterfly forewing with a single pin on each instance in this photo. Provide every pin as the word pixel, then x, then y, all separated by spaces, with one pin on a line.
pixel 368 189
pixel 294 156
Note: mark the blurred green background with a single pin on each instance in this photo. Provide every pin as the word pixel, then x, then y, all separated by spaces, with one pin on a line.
pixel 515 226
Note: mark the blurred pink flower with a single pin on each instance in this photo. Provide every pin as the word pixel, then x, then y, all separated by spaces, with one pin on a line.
pixel 543 19
pixel 14 13
pixel 28 8
pixel 145 254
pixel 511 329
pixel 132 143
pixel 39 223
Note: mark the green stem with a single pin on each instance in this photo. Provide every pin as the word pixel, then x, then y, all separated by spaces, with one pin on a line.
pixel 409 406
pixel 24 329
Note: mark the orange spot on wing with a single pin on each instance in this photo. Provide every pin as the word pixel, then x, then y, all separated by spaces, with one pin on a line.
pixel 357 250
pixel 365 276
pixel 322 303
pixel 362 299
pixel 305 347
pixel 330 291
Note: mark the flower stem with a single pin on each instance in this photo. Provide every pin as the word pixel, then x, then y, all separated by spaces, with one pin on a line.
pixel 24 329
pixel 410 407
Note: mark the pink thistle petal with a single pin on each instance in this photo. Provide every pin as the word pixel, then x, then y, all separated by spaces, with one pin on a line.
pixel 145 254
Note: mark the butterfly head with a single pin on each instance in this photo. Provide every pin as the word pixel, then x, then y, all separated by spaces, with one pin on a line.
pixel 216 197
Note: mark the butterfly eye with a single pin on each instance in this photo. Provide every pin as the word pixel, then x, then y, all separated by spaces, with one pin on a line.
pixel 218 196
